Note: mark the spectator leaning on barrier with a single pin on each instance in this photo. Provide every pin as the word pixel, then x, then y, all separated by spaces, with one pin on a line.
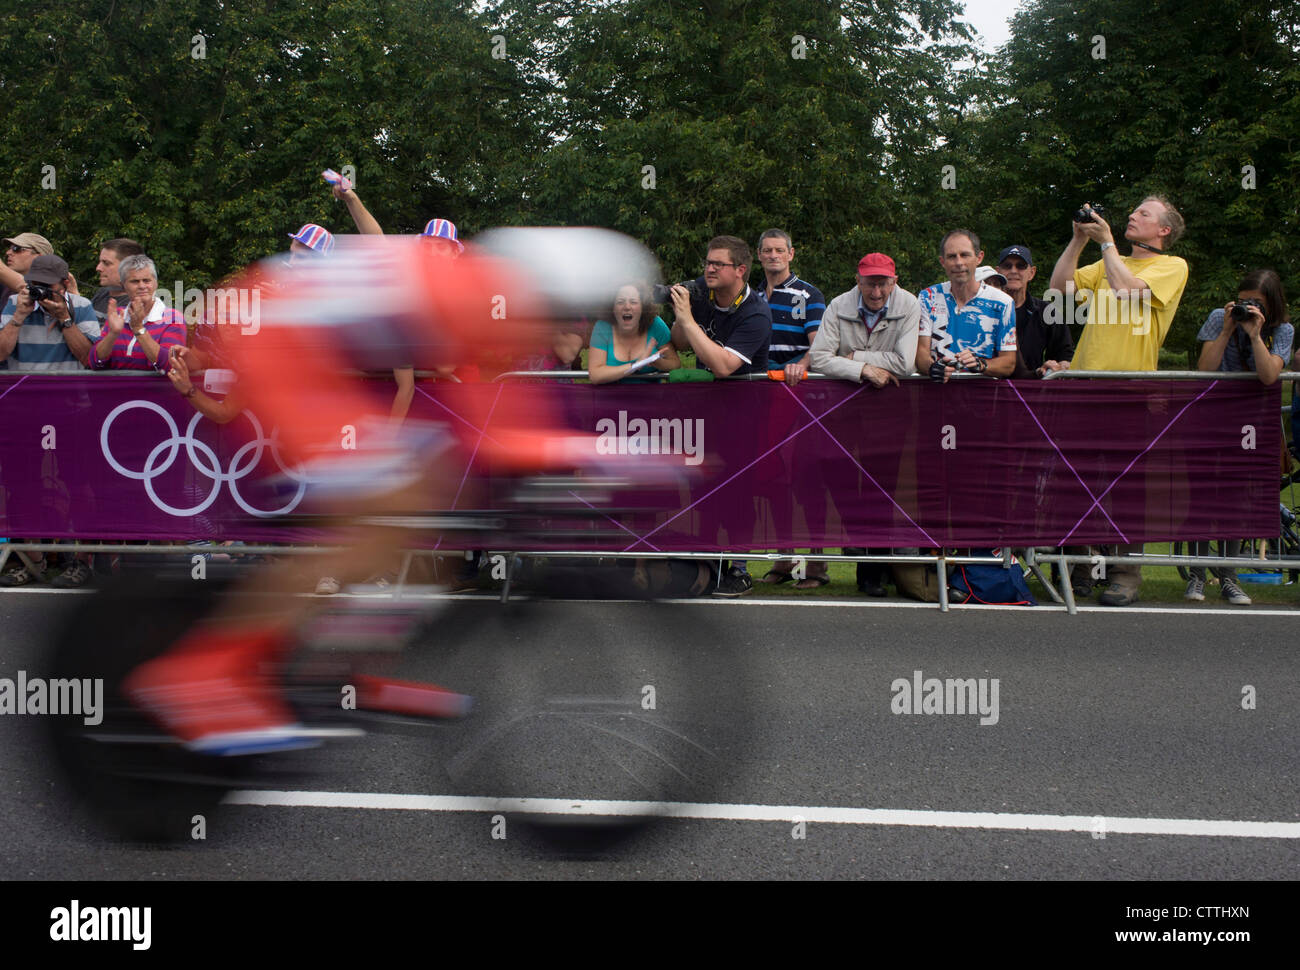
pixel 726 323
pixel 19 253
pixel 869 333
pixel 1132 300
pixel 111 255
pixel 965 324
pixel 632 334
pixel 1043 347
pixel 1253 333
pixel 729 327
pixel 796 306
pixel 154 329
pixel 50 334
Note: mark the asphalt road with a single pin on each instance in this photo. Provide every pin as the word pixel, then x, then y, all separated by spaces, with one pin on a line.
pixel 1117 717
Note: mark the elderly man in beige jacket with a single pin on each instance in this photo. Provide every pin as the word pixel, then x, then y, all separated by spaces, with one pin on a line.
pixel 870 332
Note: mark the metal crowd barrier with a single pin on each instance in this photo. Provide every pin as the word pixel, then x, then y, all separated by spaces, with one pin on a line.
pixel 1030 556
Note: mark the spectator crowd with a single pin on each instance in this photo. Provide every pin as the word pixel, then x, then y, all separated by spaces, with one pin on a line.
pixel 981 319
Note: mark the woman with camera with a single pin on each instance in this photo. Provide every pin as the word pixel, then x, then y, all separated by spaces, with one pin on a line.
pixel 1253 333
pixel 632 341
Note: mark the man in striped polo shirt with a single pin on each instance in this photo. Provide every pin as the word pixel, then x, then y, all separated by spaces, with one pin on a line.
pixel 796 306
pixel 154 329
pixel 50 335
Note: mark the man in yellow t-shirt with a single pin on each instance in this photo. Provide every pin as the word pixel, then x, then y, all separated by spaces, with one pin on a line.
pixel 1131 299
pixel 1131 304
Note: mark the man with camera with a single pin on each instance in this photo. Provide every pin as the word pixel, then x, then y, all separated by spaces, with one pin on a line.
pixel 20 250
pixel 44 327
pixel 1131 304
pixel 729 327
pixel 965 324
pixel 726 324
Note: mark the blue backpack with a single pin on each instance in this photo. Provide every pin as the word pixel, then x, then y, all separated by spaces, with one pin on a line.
pixel 989 584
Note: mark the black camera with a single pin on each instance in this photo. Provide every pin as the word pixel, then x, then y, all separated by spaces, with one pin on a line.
pixel 1085 214
pixel 1241 309
pixel 659 292
pixel 39 291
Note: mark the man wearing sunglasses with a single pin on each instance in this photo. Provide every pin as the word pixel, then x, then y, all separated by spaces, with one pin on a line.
pixel 19 252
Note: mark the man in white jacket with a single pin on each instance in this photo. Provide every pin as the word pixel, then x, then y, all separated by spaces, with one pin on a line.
pixel 870 332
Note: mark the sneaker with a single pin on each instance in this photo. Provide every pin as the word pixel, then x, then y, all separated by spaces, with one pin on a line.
pixel 1117 595
pixel 735 583
pixel 1234 594
pixel 327 586
pixel 74 577
pixel 18 575
pixel 1195 590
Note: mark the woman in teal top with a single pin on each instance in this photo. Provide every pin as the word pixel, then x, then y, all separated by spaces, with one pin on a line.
pixel 636 333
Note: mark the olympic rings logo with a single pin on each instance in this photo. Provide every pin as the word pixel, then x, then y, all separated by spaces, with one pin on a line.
pixel 241 464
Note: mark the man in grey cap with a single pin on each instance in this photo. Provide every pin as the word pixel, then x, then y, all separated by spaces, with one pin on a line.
pixel 45 328
pixel 20 250
pixel 52 333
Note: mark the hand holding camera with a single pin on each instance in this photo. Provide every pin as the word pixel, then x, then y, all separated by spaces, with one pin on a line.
pixel 1089 220
pixel 1248 314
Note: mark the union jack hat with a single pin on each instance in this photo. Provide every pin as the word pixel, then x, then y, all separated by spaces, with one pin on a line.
pixel 442 229
pixel 314 237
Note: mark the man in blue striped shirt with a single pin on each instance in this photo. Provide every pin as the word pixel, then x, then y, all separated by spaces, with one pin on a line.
pixel 797 307
pixel 47 335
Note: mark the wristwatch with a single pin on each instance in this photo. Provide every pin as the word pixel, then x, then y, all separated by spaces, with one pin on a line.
pixel 65 324
pixel 1105 246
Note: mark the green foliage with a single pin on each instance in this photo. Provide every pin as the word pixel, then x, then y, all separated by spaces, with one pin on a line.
pixel 211 161
pixel 1186 96
pixel 832 120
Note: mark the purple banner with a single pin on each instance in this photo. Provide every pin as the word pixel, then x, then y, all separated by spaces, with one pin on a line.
pixel 829 464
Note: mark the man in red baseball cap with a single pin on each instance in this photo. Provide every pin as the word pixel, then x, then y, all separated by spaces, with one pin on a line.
pixel 869 334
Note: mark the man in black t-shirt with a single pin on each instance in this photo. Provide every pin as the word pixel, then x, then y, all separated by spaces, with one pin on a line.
pixel 729 327
pixel 720 318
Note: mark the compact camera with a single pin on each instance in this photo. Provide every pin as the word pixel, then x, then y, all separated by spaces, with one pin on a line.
pixel 39 291
pixel 1084 214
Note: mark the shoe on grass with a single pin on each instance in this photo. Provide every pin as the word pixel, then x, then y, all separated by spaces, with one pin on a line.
pixel 1117 595
pixel 1195 590
pixel 327 586
pixel 1234 594
pixel 735 583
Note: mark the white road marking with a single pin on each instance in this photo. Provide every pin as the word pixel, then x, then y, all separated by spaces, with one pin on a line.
pixel 1210 828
